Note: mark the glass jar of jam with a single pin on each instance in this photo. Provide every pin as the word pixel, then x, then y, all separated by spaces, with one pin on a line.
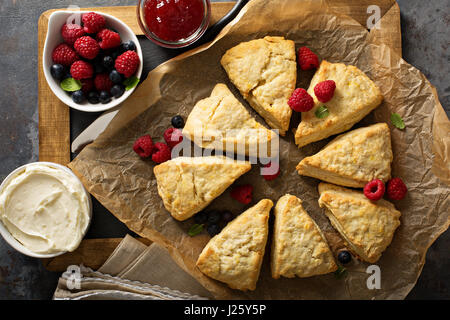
pixel 174 23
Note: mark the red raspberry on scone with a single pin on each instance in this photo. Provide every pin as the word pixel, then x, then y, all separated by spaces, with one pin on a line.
pixel 396 189
pixel 81 70
pixel 127 63
pixel 273 176
pixel 65 55
pixel 301 101
pixel 108 39
pixel 93 22
pixel 162 153
pixel 103 82
pixel 71 32
pixel 87 47
pixel 324 90
pixel 143 146
pixel 173 137
pixel 374 190
pixel 307 59
pixel 243 194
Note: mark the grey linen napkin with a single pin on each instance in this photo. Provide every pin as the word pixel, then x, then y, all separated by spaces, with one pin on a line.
pixel 133 271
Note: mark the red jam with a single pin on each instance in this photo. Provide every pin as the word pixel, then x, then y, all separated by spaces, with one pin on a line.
pixel 173 20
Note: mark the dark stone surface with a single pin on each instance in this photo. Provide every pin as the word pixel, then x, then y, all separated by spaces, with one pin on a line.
pixel 425 31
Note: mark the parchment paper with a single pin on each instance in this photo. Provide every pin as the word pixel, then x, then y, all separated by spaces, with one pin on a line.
pixel 126 186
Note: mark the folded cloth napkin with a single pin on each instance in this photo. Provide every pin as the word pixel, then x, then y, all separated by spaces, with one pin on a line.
pixel 133 271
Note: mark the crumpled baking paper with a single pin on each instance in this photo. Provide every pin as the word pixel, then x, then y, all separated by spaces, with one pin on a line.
pixel 125 185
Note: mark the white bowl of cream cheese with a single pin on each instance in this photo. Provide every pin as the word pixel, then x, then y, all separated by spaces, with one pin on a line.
pixel 44 210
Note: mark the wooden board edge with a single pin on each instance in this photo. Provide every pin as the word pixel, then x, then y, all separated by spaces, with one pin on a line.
pixel 91 253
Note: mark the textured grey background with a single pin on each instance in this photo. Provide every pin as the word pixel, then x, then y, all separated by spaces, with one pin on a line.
pixel 425 32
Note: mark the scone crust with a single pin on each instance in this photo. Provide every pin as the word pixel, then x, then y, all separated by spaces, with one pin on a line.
pixel 368 227
pixel 265 72
pixel 187 185
pixel 353 159
pixel 221 122
pixel 355 97
pixel 235 255
pixel 298 246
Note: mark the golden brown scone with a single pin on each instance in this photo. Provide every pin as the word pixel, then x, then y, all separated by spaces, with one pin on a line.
pixel 298 246
pixel 368 227
pixel 265 72
pixel 222 122
pixel 355 96
pixel 353 159
pixel 187 185
pixel 234 256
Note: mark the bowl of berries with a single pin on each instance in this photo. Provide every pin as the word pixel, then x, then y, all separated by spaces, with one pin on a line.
pixel 92 61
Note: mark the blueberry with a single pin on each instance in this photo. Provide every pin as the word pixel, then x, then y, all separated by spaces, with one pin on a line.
pixel 104 97
pixel 214 217
pixel 108 62
pixel 78 96
pixel 120 49
pixel 117 90
pixel 116 77
pixel 129 45
pixel 227 216
pixel 58 71
pixel 201 217
pixel 178 122
pixel 93 97
pixel 213 229
pixel 344 257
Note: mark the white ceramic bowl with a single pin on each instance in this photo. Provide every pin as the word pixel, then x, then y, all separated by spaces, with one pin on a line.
pixel 16 244
pixel 54 38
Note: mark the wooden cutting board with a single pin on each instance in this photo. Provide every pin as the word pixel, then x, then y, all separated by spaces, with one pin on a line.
pixel 54 119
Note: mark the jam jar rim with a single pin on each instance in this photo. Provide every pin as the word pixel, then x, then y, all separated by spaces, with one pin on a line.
pixel 178 43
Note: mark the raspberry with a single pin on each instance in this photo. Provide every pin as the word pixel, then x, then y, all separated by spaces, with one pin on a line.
pixel 301 101
pixel 144 146
pixel 127 63
pixel 324 90
pixel 108 39
pixel 270 177
pixel 243 194
pixel 162 154
pixel 307 59
pixel 396 189
pixel 93 22
pixel 87 85
pixel 173 137
pixel 81 70
pixel 103 82
pixel 65 55
pixel 71 32
pixel 87 47
pixel 374 190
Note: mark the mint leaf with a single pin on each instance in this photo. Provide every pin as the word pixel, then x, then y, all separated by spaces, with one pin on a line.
pixel 130 83
pixel 340 272
pixel 397 121
pixel 195 230
pixel 71 85
pixel 322 112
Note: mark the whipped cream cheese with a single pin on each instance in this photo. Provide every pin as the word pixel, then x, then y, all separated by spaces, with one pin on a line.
pixel 45 208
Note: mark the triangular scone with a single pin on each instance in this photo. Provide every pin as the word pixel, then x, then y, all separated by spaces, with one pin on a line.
pixel 222 122
pixel 353 159
pixel 355 96
pixel 367 226
pixel 265 72
pixel 187 185
pixel 234 256
pixel 298 246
